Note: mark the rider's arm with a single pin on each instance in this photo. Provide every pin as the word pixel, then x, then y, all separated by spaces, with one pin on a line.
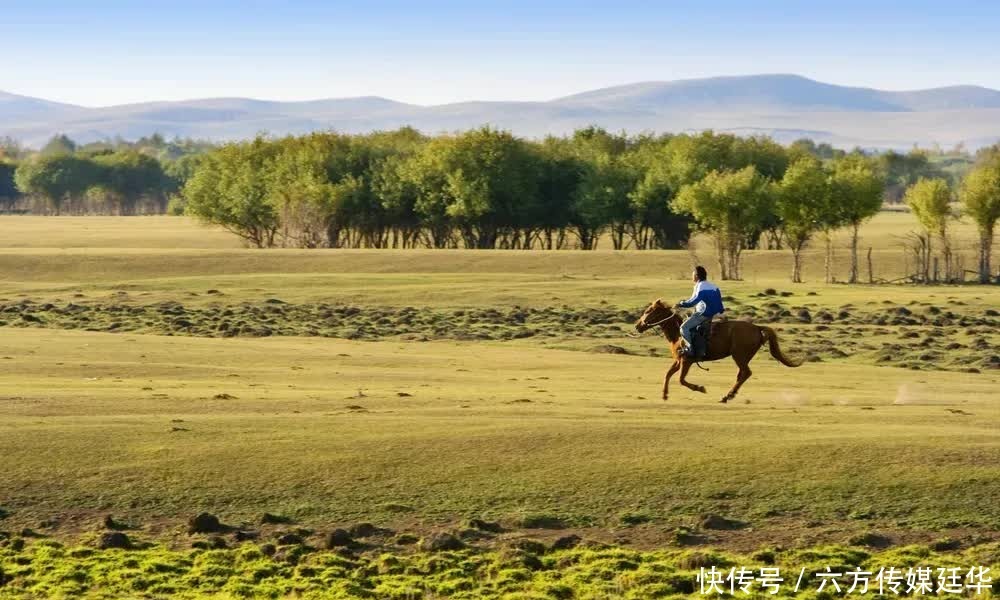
pixel 693 300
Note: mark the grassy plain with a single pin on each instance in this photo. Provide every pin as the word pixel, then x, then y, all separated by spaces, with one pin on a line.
pixel 151 369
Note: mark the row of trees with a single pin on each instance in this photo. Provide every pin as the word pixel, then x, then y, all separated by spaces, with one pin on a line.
pixel 488 189
pixel 113 183
pixel 108 177
pixel 931 202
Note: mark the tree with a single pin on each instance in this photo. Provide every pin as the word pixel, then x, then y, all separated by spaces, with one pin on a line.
pixel 231 188
pixel 398 195
pixel 59 144
pixel 858 189
pixel 803 206
pixel 930 199
pixel 302 195
pixel 559 178
pixel 601 200
pixel 656 225
pixel 486 181
pixel 903 170
pixel 11 149
pixel 981 198
pixel 127 177
pixel 425 172
pixel 56 178
pixel 730 205
pixel 8 189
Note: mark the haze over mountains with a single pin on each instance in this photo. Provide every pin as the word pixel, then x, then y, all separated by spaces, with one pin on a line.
pixel 785 107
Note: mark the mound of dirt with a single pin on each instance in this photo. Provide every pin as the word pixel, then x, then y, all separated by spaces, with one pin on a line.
pixel 542 522
pixel 272 519
pixel 364 530
pixel 114 539
pixel 870 539
pixel 205 523
pixel 487 526
pixel 290 539
pixel 339 538
pixel 440 542
pixel 609 349
pixel 719 522
pixel 566 542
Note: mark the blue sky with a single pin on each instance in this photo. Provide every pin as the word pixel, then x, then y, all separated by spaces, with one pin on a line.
pixel 102 52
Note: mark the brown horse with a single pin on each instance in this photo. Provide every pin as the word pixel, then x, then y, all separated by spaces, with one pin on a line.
pixel 739 339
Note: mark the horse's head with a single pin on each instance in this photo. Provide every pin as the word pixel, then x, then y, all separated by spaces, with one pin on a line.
pixel 655 313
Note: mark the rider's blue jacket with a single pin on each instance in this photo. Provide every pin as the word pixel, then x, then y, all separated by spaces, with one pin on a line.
pixel 707 299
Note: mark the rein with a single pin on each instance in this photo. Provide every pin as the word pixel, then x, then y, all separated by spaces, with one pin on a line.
pixel 651 325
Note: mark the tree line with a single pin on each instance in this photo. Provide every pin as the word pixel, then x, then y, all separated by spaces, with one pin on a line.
pixel 487 188
pixel 109 177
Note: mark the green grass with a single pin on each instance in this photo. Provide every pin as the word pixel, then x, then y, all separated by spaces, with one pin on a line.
pixel 127 397
pixel 317 429
pixel 52 570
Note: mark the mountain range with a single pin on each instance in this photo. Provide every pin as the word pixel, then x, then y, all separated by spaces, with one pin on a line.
pixel 786 107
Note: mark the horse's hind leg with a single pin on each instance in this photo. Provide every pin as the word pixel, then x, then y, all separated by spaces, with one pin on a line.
pixel 666 378
pixel 685 367
pixel 741 378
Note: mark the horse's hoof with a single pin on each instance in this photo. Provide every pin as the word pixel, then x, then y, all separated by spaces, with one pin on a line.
pixel 701 389
pixel 664 398
pixel 724 400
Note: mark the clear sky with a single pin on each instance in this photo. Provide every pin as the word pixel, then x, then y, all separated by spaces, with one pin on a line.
pixel 102 52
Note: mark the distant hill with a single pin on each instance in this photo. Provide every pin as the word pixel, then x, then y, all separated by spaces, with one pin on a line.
pixel 14 107
pixel 783 106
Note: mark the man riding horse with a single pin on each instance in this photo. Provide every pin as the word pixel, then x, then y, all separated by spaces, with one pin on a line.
pixel 707 300
pixel 733 338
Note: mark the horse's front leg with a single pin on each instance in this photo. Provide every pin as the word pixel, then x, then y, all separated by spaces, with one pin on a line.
pixel 666 378
pixel 685 367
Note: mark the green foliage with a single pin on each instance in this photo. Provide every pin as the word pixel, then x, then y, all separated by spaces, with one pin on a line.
pixel 8 188
pixel 981 193
pixel 804 205
pixel 125 177
pixel 490 184
pixel 807 147
pixel 858 186
pixel 59 144
pixel 981 200
pixel 55 177
pixel 731 205
pixel 930 201
pixel 54 571
pixel 110 182
pixel 903 170
pixel 11 149
pixel 231 188
pixel 804 202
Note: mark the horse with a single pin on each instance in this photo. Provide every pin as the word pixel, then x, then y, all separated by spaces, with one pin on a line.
pixel 739 339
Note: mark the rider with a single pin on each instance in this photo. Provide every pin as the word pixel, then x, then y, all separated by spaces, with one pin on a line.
pixel 707 300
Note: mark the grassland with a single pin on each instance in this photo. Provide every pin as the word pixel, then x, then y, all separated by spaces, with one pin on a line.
pixel 152 370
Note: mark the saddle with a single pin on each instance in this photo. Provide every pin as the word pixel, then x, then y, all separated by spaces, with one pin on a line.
pixel 699 338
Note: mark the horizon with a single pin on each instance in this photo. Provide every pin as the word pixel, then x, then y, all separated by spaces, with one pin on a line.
pixel 444 52
pixel 473 100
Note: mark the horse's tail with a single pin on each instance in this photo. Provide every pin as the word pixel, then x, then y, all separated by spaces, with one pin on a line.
pixel 772 345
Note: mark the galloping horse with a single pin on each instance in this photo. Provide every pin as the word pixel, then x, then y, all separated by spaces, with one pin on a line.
pixel 738 339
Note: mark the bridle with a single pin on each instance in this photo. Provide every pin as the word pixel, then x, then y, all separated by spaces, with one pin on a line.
pixel 650 326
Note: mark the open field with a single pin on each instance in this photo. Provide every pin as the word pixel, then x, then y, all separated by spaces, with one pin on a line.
pixel 425 390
